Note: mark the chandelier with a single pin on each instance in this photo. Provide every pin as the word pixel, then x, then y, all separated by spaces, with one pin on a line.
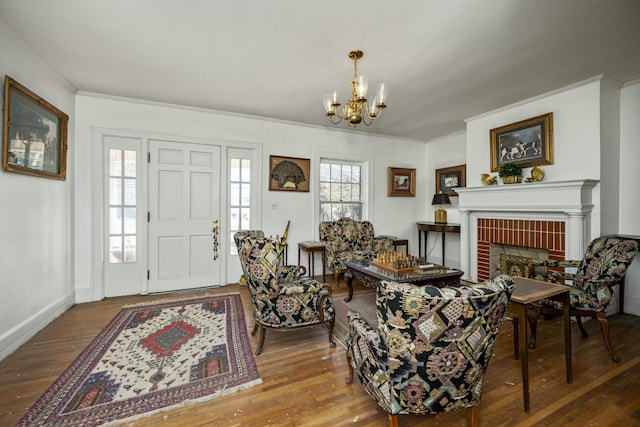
pixel 357 109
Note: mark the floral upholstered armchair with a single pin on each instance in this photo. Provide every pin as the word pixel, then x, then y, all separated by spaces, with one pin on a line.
pixel 350 240
pixel 603 267
pixel 431 347
pixel 281 296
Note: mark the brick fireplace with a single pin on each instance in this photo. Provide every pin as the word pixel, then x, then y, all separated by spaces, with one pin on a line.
pixel 554 216
pixel 548 235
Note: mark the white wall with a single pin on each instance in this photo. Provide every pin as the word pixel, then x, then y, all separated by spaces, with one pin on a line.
pixel 391 215
pixel 36 216
pixel 576 137
pixel 443 153
pixel 629 188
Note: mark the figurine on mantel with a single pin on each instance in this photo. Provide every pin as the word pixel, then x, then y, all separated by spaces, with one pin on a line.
pixel 488 179
pixel 537 174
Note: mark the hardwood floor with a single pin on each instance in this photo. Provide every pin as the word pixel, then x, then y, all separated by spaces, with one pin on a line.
pixel 303 379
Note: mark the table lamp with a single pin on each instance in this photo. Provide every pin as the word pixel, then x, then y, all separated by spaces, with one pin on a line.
pixel 440 215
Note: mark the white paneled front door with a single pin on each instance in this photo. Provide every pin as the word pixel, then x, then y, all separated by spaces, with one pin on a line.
pixel 184 202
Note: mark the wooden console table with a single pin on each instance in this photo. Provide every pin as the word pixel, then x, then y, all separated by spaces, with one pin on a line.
pixel 425 227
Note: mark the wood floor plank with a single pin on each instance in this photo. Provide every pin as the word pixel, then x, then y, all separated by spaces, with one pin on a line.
pixel 303 378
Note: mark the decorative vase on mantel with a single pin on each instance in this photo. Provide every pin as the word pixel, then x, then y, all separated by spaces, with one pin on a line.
pixel 511 173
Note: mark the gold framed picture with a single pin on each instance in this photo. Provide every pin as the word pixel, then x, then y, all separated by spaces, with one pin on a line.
pixel 449 178
pixel 401 182
pixel 527 142
pixel 35 134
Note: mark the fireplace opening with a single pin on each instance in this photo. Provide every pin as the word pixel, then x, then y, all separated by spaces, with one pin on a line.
pixel 513 260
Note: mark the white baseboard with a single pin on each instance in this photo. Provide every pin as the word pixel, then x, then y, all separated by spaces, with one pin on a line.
pixel 23 332
pixel 632 306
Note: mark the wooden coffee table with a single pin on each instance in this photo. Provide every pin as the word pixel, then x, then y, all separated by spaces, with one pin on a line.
pixel 371 275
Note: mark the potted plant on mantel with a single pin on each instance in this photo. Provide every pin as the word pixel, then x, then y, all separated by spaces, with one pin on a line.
pixel 510 173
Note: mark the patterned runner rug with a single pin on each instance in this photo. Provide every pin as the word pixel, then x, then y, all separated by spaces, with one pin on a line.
pixel 150 358
pixel 364 302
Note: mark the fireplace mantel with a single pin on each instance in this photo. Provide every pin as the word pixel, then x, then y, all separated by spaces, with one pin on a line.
pixel 567 201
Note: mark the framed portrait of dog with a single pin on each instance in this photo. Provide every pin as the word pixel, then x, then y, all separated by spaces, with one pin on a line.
pixel 527 142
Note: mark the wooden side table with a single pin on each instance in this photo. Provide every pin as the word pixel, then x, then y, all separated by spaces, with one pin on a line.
pixel 311 247
pixel 528 291
pixel 444 228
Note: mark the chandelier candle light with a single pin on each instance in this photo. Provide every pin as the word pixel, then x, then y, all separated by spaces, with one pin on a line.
pixel 357 109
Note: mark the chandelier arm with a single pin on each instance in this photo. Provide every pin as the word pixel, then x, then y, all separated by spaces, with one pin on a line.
pixel 334 122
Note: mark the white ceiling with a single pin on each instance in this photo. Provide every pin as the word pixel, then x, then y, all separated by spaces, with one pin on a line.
pixel 445 60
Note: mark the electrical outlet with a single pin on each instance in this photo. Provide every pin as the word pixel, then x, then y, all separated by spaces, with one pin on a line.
pixel 274 206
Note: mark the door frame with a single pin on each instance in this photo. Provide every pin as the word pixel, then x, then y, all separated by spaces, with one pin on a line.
pixel 97 291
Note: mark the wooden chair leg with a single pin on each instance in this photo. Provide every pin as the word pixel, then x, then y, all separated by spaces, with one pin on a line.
pixel 332 343
pixel 604 325
pixel 583 331
pixel 260 340
pixel 472 416
pixel 393 420
pixel 336 275
pixel 349 379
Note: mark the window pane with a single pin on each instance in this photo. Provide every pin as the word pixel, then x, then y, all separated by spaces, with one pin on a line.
pixel 346 173
pixel 234 194
pixel 246 170
pixel 336 196
pixel 129 220
pixel 345 193
pixel 234 219
pixel 115 249
pixel 129 191
pixel 336 212
pixel 336 171
pixel 130 249
pixel 115 220
pixel 115 191
pixel 129 163
pixel 234 169
pixel 325 192
pixel 355 174
pixel 245 217
pixel 355 192
pixel 246 195
pixel 325 174
pixel 115 162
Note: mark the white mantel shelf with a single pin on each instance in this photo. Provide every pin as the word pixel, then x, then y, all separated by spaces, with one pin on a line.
pixel 568 201
pixel 559 196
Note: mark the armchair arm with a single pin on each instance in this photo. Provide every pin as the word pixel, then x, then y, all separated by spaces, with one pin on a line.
pixel 368 341
pixel 288 273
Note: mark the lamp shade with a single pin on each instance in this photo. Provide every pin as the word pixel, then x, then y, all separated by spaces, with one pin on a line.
pixel 441 199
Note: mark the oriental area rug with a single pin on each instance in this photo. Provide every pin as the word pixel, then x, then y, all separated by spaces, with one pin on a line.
pixel 151 358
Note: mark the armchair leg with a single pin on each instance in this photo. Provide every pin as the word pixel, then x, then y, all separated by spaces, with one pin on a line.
pixel 393 420
pixel 583 331
pixel 332 343
pixel 349 379
pixel 336 275
pixel 604 325
pixel 472 416
pixel 255 329
pixel 260 340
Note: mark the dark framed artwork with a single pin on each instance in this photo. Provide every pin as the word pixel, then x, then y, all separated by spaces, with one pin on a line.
pixel 401 182
pixel 449 178
pixel 528 143
pixel 289 173
pixel 35 134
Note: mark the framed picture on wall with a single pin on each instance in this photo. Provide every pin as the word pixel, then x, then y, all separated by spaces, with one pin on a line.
pixel 449 178
pixel 528 143
pixel 35 134
pixel 289 173
pixel 401 182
